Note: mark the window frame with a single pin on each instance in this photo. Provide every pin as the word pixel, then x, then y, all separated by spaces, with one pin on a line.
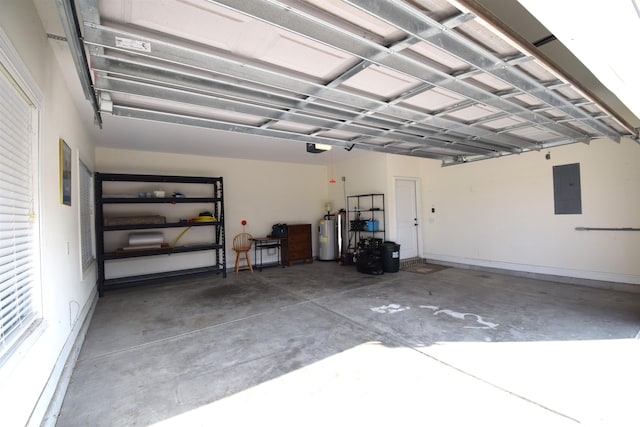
pixel 86 224
pixel 14 71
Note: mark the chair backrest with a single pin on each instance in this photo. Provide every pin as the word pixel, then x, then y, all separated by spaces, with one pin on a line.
pixel 242 242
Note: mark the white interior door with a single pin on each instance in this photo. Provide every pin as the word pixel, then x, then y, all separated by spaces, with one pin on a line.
pixel 407 217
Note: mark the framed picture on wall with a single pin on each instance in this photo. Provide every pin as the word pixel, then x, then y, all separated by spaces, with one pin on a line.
pixel 65 173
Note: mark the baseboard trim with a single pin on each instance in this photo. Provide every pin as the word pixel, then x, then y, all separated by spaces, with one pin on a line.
pixel 48 408
pixel 618 282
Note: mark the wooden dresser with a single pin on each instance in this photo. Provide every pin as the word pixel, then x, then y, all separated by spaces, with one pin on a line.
pixel 298 244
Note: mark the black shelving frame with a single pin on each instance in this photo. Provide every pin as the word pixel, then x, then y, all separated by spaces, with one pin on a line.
pixel 218 246
pixel 373 207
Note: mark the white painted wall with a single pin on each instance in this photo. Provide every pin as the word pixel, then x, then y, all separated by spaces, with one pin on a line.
pixel 262 193
pixel 364 174
pixel 28 379
pixel 500 213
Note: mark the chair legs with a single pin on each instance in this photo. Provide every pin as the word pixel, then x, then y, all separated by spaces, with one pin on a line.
pixel 243 255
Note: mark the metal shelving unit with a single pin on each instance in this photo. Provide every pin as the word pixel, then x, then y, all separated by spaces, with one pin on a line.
pixel 360 210
pixel 216 246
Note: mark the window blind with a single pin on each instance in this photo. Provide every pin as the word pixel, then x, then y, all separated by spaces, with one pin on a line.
pixel 86 215
pixel 17 266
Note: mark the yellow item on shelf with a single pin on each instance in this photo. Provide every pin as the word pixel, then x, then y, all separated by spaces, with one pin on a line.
pixel 173 245
pixel 204 219
pixel 201 219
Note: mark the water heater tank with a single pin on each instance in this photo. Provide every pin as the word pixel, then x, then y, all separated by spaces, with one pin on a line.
pixel 327 244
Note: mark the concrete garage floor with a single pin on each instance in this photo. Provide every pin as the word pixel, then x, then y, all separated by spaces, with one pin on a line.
pixel 320 344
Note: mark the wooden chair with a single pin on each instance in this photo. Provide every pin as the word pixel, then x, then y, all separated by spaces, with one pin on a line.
pixel 242 245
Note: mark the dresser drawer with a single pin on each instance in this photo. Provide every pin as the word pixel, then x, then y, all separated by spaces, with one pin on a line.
pixel 299 243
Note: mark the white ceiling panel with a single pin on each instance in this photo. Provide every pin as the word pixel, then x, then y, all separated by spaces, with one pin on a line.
pixel 569 92
pixel 339 11
pixel 528 100
pixel 439 56
pixel 535 133
pixel 294 127
pixel 380 81
pixel 488 40
pixel 344 136
pixel 537 71
pixel 436 9
pixel 434 99
pixel 474 112
pixel 298 54
pixel 554 113
pixel 492 83
pixel 197 21
pixel 503 123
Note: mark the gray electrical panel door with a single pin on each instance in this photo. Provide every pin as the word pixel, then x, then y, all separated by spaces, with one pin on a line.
pixel 566 189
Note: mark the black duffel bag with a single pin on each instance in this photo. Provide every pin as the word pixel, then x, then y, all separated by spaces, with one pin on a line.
pixel 279 230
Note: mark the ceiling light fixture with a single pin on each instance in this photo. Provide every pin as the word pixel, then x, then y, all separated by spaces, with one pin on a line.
pixel 318 148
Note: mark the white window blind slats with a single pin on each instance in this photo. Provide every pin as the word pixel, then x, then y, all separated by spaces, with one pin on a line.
pixel 21 280
pixel 13 115
pixel 20 319
pixel 14 267
pixel 14 218
pixel 9 159
pixel 13 257
pixel 10 149
pixel 12 160
pixel 20 248
pixel 19 230
pixel 14 222
pixel 14 120
pixel 19 227
pixel 12 278
pixel 16 302
pixel 12 136
pixel 13 94
pixel 11 184
pixel 13 201
pixel 17 237
pixel 13 110
pixel 17 212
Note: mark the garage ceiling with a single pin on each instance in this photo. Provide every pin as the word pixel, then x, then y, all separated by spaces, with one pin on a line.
pixel 428 78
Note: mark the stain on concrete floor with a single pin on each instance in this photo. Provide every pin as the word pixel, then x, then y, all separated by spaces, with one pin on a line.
pixel 425 268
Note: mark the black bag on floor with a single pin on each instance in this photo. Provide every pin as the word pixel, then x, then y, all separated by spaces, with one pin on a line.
pixel 369 262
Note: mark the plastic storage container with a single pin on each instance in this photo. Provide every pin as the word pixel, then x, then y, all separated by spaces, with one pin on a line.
pixel 390 257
